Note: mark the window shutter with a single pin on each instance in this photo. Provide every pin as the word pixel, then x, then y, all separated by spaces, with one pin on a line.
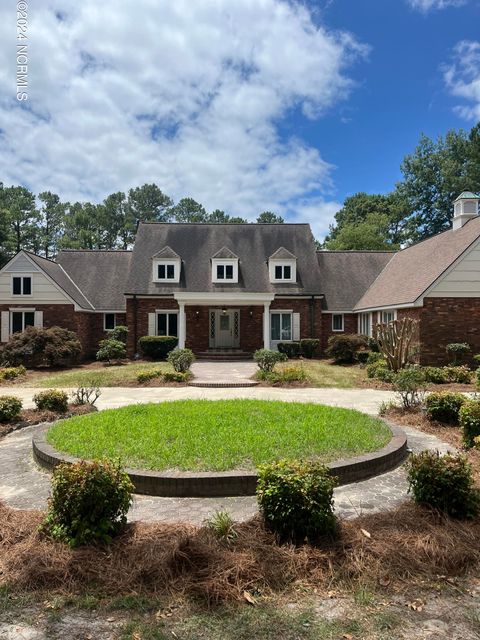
pixel 38 319
pixel 296 326
pixel 152 317
pixel 5 329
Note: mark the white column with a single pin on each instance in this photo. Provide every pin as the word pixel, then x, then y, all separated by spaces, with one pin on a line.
pixel 182 328
pixel 266 325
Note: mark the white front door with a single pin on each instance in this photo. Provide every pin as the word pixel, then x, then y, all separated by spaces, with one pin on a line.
pixel 226 328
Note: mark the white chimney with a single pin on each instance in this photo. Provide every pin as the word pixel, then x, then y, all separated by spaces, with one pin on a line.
pixel 465 208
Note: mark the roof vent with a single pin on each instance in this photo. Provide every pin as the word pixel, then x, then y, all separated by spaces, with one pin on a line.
pixel 465 208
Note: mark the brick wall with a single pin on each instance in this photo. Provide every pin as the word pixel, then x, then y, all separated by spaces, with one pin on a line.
pixel 197 326
pixel 350 325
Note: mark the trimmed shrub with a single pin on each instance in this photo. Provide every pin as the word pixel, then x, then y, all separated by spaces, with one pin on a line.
pixel 111 349
pixel 176 376
pixel 444 483
pixel 12 373
pixel 296 500
pixel 343 348
pixel 460 374
pixel 380 371
pixel 469 420
pixel 51 400
pixel 181 359
pixel 409 383
pixel 290 349
pixel 284 376
pixel 86 395
pixel 436 375
pixel 88 503
pixel 266 359
pixel 150 374
pixel 362 357
pixel 157 347
pixel 37 346
pixel 10 408
pixel 375 356
pixel 476 358
pixel 372 344
pixel 455 351
pixel 119 333
pixel 309 346
pixel 444 406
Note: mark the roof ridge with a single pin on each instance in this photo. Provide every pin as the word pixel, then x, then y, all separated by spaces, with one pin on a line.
pixel 95 251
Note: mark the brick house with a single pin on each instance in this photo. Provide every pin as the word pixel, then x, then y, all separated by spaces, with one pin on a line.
pixel 231 289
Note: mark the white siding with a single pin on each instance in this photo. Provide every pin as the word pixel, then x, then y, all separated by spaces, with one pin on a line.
pixel 21 264
pixel 463 281
pixel 43 290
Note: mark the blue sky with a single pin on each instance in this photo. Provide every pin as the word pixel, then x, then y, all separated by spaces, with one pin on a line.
pixel 244 105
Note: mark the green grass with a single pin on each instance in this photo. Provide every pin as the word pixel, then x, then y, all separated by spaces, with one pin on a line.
pixel 321 373
pixel 104 376
pixel 203 435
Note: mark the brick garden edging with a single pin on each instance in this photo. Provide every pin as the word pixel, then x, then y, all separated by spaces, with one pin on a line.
pixel 182 484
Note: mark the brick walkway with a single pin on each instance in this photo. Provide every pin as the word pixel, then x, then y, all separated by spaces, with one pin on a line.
pixel 23 485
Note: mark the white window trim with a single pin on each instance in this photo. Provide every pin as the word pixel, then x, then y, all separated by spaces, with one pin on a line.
pixel 172 312
pixel 176 273
pixel 368 315
pixel 22 295
pixel 109 313
pixel 393 311
pixel 217 262
pixel 23 311
pixel 283 263
pixel 334 315
pixel 285 312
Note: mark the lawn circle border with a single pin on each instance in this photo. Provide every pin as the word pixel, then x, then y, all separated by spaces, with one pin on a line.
pixel 210 484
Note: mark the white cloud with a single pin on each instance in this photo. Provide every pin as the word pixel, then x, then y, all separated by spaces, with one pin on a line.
pixel 190 95
pixel 427 5
pixel 462 78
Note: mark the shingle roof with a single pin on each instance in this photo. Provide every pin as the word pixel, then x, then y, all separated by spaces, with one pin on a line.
pixel 467 195
pixel 167 253
pixel 413 270
pixel 197 243
pixel 225 253
pixel 62 279
pixel 101 275
pixel 282 254
pixel 346 275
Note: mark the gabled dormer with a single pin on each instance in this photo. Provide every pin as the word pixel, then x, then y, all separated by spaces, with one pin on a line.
pixel 282 266
pixel 166 266
pixel 225 267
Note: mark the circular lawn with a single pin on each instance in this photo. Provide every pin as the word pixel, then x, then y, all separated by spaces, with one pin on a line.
pixel 218 435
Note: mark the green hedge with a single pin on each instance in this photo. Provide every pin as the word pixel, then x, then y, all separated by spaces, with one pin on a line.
pixel 157 347
pixel 444 406
pixel 469 419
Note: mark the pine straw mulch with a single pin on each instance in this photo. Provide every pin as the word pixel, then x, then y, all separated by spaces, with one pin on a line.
pixel 406 545
pixel 30 417
pixel 450 434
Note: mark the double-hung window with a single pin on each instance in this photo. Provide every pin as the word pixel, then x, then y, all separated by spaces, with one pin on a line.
pixel 22 285
pixel 283 272
pixel 280 326
pixel 167 324
pixel 109 321
pixel 166 271
pixel 337 321
pixel 20 320
pixel 224 271
pixel 388 316
pixel 365 326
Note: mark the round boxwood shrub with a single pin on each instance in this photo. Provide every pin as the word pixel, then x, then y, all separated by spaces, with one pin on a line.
pixel 10 408
pixel 444 483
pixel 157 347
pixel 343 348
pixel 296 500
pixel 469 420
pixel 51 400
pixel 89 502
pixel 266 359
pixel 37 346
pixel 444 406
pixel 309 346
pixel 181 359
pixel 12 373
pixel 290 349
pixel 380 371
pixel 111 349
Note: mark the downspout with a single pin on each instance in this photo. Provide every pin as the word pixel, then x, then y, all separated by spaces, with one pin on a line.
pixel 312 317
pixel 135 327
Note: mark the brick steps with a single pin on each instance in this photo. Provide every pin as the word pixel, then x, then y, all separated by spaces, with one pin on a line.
pixel 222 385
pixel 224 355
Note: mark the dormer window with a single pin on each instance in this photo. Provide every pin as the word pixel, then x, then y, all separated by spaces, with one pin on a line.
pixel 282 266
pixel 166 266
pixel 225 267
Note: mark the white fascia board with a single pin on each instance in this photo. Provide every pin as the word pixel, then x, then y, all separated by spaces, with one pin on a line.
pixel 386 307
pixel 223 297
